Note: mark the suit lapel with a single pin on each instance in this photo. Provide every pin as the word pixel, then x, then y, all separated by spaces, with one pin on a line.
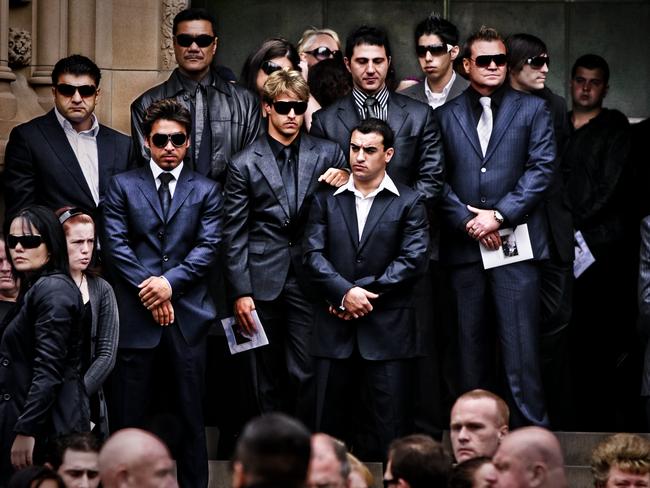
pixel 379 205
pixel 55 136
pixel 307 162
pixel 105 158
pixel 346 202
pixel 509 107
pixel 267 165
pixel 396 114
pixel 181 192
pixel 148 189
pixel 463 113
pixel 348 113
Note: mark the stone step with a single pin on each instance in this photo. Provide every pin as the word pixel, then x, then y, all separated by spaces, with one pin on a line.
pixel 579 477
pixel 577 446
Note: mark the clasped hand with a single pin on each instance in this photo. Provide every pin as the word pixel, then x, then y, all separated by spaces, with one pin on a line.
pixel 484 228
pixel 356 303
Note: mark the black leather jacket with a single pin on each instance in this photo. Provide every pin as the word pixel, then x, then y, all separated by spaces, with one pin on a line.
pixel 41 385
pixel 234 116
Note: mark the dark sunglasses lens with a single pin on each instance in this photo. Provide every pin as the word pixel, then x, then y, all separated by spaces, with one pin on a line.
pixel 86 90
pixel 434 50
pixel 65 90
pixel 500 59
pixel 270 67
pixel 161 140
pixel 323 53
pixel 178 139
pixel 283 108
pixel 69 90
pixel 27 242
pixel 486 61
pixel 186 40
pixel 540 61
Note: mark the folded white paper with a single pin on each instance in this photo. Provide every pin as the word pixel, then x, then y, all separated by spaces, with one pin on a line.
pixel 583 257
pixel 515 247
pixel 238 340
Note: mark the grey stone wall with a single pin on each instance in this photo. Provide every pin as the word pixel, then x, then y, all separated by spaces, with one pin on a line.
pixel 618 30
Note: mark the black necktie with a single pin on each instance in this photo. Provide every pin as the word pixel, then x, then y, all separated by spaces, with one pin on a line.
pixel 369 106
pixel 287 170
pixel 163 192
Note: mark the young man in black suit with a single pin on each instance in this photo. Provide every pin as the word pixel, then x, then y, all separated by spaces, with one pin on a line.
pixel 366 244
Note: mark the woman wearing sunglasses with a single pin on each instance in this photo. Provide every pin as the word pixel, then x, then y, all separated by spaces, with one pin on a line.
pixel 100 320
pixel 41 388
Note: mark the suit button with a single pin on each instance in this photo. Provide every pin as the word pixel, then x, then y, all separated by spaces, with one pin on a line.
pixel 483 170
pixel 6 397
pixel 359 260
pixel 286 223
pixel 290 243
pixel 161 234
pixel 483 199
pixel 5 362
pixel 165 258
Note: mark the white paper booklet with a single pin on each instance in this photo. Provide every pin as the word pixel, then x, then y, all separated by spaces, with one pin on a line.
pixel 515 247
pixel 238 340
pixel 583 257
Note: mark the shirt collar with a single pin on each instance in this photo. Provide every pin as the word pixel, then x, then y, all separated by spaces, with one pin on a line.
pixel 67 126
pixel 381 95
pixel 277 146
pixel 191 85
pixel 431 96
pixel 386 184
pixel 157 170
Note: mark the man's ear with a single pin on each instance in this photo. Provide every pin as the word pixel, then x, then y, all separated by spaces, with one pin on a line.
pixel 503 431
pixel 347 64
pixel 538 475
pixel 455 51
pixel 402 483
pixel 238 475
pixel 466 65
pixel 389 154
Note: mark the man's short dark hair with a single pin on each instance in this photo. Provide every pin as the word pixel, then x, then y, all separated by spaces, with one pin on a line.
pixel 591 61
pixel 373 36
pixel 166 109
pixel 437 26
pixel 522 46
pixel 81 442
pixel 420 461
pixel 483 34
pixel 274 450
pixel 194 14
pixel 77 65
pixel 380 127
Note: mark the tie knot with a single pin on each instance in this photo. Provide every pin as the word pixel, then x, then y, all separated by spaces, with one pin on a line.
pixel 485 102
pixel 370 102
pixel 165 178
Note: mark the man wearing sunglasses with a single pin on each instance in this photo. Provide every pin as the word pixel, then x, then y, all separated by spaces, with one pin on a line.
pixel 65 157
pixel 500 155
pixel 268 191
pixel 436 45
pixel 162 231
pixel 225 116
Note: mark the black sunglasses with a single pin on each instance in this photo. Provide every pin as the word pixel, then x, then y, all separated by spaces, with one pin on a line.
pixel 433 49
pixel 538 62
pixel 69 90
pixel 270 67
pixel 27 241
pixel 486 60
pixel 323 52
pixel 283 108
pixel 161 140
pixel 186 40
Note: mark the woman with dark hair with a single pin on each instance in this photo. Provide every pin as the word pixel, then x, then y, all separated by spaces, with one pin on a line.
pixel 43 395
pixel 36 477
pixel 100 320
pixel 474 473
pixel 273 55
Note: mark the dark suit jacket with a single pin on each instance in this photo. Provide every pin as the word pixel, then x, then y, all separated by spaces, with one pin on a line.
pixel 512 177
pixel 392 254
pixel 41 167
pixel 418 159
pixel 140 243
pixel 416 92
pixel 261 239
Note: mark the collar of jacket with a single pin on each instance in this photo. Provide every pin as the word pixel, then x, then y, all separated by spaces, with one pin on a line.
pixel 174 86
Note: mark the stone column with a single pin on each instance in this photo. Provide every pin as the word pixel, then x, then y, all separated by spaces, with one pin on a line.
pixel 8 104
pixel 50 43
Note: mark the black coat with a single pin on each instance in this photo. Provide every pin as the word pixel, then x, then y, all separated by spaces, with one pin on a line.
pixel 41 386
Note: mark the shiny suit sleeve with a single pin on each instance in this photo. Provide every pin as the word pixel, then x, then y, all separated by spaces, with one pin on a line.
pixel 644 277
pixel 19 174
pixel 430 174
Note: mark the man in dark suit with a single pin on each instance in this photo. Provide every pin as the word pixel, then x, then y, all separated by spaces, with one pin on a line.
pixel 418 153
pixel 268 192
pixel 64 157
pixel 162 230
pixel 500 153
pixel 365 247
pixel 436 45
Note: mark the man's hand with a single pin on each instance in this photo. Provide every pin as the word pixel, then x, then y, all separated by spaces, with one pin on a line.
pixel 243 308
pixel 357 301
pixel 22 450
pixel 163 314
pixel 334 177
pixel 492 240
pixel 154 291
pixel 482 224
pixel 342 314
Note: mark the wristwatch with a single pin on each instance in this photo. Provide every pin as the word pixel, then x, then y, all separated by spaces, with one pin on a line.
pixel 498 217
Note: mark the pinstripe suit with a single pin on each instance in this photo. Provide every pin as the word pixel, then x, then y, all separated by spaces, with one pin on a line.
pixel 512 177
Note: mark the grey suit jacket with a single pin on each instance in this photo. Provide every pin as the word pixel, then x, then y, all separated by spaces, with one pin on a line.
pixel 261 238
pixel 644 300
pixel 416 92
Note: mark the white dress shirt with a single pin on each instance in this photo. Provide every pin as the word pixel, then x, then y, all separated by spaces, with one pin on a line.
pixel 363 203
pixel 438 99
pixel 84 146
pixel 157 171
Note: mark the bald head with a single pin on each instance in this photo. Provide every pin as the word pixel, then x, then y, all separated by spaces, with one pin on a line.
pixel 329 465
pixel 529 457
pixel 136 458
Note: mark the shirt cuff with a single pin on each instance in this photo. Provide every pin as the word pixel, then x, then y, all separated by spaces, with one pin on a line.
pixel 171 290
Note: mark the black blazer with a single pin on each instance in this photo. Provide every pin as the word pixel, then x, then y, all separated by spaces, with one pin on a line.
pixel 392 253
pixel 260 237
pixel 41 167
pixel 418 159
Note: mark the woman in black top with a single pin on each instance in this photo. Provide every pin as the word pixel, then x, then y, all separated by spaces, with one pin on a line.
pixel 41 388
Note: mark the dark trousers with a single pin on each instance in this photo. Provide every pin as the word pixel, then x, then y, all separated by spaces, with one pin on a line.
pixel 512 291
pixel 283 371
pixel 171 372
pixel 365 403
